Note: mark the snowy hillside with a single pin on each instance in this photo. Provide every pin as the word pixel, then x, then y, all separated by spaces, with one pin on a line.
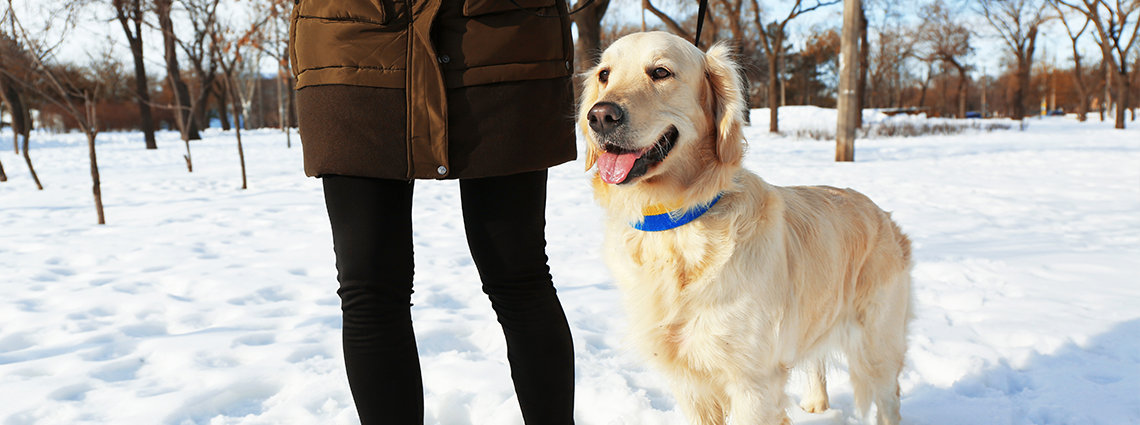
pixel 200 303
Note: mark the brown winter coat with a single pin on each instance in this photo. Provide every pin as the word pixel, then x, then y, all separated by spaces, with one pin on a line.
pixel 432 88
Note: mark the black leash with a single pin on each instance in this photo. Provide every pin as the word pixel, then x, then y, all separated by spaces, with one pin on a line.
pixel 700 21
pixel 588 3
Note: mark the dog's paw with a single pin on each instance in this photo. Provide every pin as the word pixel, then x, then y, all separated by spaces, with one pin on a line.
pixel 814 405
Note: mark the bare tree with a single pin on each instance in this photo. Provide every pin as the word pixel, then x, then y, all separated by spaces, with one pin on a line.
pixel 60 89
pixel 670 23
pixel 1078 72
pixel 273 40
pixel 182 115
pixel 929 61
pixel 889 67
pixel 1017 23
pixel 201 51
pixel 772 37
pixel 589 23
pixel 1136 83
pixel 233 46
pixel 947 40
pixel 1116 34
pixel 130 14
pixel 245 85
pixel 722 16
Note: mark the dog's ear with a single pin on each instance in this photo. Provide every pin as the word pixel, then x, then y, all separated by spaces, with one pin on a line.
pixel 588 97
pixel 728 103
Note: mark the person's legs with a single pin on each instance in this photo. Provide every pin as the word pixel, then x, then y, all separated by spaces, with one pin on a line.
pixel 505 222
pixel 372 237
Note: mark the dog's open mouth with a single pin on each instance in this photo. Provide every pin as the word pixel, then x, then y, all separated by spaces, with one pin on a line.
pixel 618 165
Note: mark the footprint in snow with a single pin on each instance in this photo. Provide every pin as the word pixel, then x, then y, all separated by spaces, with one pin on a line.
pixel 255 340
pixel 125 370
pixel 74 392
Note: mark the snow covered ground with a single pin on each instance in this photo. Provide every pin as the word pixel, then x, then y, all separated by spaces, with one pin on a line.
pixel 199 303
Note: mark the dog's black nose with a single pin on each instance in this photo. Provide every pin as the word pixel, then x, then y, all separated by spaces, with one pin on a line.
pixel 604 117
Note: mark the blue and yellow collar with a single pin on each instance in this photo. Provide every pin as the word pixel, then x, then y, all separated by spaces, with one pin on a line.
pixel 661 216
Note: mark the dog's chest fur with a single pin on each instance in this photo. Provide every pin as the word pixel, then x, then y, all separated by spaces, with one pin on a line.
pixel 669 281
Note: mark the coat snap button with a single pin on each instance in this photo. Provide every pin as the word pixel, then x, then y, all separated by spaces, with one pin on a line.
pixel 444 59
pixel 442 170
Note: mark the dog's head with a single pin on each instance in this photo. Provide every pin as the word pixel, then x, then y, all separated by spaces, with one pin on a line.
pixel 661 116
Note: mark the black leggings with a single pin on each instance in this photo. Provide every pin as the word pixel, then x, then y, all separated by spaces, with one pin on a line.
pixel 505 222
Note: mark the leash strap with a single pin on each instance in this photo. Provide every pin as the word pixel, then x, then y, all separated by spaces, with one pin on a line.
pixel 700 21
pixel 588 3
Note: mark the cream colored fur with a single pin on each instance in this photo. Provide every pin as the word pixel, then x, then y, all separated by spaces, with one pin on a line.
pixel 771 278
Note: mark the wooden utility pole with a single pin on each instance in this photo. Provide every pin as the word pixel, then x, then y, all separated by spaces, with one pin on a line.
pixel 848 78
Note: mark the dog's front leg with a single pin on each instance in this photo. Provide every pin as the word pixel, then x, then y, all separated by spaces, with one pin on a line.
pixel 702 404
pixel 759 399
pixel 815 396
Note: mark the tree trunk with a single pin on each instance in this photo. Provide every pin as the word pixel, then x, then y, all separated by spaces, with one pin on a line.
pixel 91 129
pixel 223 104
pixel 185 119
pixel 1020 88
pixel 773 94
pixel 95 188
pixel 1123 92
pixel 199 105
pixel 189 160
pixel 945 110
pixel 142 90
pixel 1103 104
pixel 143 97
pixel 28 160
pixel 229 83
pixel 1082 92
pixel 962 92
pixel 3 177
pixel 1109 86
pixel 925 84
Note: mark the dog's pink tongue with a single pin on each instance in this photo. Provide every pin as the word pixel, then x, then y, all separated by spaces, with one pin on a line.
pixel 614 167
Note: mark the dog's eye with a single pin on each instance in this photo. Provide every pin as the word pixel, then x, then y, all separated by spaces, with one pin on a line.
pixel 660 73
pixel 603 76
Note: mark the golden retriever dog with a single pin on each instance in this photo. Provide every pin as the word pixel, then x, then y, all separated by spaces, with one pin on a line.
pixel 730 282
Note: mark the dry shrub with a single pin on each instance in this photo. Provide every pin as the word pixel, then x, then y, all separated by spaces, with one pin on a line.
pixel 111 116
pixel 903 129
